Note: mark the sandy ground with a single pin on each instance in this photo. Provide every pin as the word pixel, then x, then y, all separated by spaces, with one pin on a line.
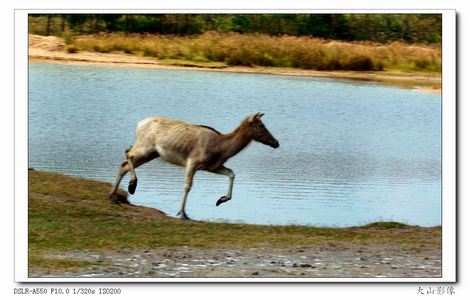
pixel 52 50
pixel 338 260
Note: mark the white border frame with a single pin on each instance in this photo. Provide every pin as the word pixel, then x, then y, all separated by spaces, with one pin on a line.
pixel 448 131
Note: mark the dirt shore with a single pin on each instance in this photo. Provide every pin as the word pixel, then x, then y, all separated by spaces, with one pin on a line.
pixel 53 50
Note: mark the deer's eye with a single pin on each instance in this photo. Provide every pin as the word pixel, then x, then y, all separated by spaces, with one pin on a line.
pixel 261 125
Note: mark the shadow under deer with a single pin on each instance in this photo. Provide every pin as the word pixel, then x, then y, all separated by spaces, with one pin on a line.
pixel 195 147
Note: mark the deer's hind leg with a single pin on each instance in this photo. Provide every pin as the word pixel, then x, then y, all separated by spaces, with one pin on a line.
pixel 134 159
pixel 133 182
pixel 125 167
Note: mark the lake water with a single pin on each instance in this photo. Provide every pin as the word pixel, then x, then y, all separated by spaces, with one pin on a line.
pixel 351 153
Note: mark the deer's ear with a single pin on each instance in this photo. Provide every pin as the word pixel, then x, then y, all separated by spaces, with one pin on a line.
pixel 255 118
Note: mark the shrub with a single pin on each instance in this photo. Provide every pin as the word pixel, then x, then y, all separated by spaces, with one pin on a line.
pixel 101 49
pixel 72 49
pixel 69 38
pixel 358 63
pixel 149 52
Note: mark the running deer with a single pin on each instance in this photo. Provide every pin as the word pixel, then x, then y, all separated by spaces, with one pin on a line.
pixel 195 147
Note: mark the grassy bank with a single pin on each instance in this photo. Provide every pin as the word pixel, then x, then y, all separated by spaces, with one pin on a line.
pixel 71 214
pixel 233 49
pixel 54 50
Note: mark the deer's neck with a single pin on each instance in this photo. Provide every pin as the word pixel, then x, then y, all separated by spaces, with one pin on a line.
pixel 235 141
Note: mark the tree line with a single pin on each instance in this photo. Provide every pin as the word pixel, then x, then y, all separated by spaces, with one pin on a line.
pixel 413 28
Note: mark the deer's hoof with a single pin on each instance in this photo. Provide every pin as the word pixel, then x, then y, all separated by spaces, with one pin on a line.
pixel 222 200
pixel 183 216
pixel 132 186
pixel 118 198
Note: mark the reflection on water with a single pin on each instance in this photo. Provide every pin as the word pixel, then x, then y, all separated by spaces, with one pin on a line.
pixel 351 153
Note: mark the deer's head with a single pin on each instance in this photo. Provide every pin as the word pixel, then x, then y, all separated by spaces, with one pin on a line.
pixel 259 132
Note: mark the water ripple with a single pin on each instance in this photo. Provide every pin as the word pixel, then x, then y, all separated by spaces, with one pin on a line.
pixel 350 154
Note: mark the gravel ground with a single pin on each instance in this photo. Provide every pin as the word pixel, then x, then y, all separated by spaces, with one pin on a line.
pixel 327 261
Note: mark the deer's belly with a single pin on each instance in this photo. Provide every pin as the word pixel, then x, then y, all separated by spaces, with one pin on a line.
pixel 213 162
pixel 172 156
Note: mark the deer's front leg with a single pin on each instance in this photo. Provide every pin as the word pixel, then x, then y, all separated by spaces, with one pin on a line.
pixel 229 173
pixel 190 171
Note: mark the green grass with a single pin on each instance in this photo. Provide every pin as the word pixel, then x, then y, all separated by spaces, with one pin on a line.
pixel 72 214
pixel 38 261
pixel 386 225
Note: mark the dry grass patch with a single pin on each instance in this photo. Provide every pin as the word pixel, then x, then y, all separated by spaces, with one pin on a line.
pixel 273 51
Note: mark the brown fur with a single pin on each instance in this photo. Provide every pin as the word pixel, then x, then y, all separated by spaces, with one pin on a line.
pixel 195 147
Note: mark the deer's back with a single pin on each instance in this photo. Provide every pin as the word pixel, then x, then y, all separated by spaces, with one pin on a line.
pixel 175 140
